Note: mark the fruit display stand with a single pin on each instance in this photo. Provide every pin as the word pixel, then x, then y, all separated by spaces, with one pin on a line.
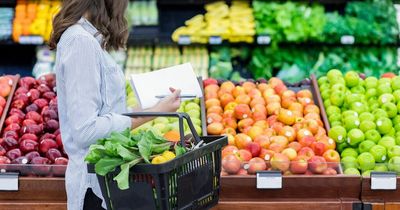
pixel 380 199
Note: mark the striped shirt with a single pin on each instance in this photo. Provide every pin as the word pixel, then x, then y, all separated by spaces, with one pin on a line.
pixel 91 98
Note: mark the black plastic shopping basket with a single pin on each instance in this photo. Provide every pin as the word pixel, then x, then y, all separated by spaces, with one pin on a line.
pixel 191 181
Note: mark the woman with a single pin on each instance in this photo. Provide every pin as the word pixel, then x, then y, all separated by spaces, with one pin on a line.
pixel 91 87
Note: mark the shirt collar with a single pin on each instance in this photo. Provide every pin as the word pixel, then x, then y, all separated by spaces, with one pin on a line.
pixel 91 29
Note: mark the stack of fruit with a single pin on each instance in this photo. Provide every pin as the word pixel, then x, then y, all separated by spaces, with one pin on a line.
pixel 169 127
pixel 6 83
pixel 6 16
pixel 31 134
pixel 269 127
pixel 139 60
pixel 364 118
pixel 143 13
pixel 198 57
pixel 235 23
pixel 34 18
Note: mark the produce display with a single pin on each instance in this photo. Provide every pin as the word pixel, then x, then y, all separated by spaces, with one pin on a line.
pixel 364 117
pixel 227 63
pixel 269 127
pixel 34 18
pixel 368 22
pixel 31 132
pixel 142 13
pixel 145 59
pixel 234 23
pixel 6 17
pixel 293 64
pixel 125 150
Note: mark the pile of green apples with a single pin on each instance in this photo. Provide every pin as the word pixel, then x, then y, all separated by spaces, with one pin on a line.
pixel 131 100
pixel 162 125
pixel 364 115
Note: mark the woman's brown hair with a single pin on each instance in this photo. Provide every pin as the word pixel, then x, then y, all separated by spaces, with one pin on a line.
pixel 108 16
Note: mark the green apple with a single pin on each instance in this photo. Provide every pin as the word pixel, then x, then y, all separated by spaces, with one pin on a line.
pixel 322 80
pixel 191 106
pixel 380 168
pixel 396 120
pixel 335 117
pixel 396 127
pixel 358 89
pixel 359 107
pixel 196 121
pixel 194 113
pixel 373 135
pixel 352 171
pixel 384 125
pixel 351 98
pixel 332 109
pixel 336 123
pixel 349 113
pixel 325 94
pixel 327 103
pixel 337 133
pixel 351 78
pixel 333 74
pixel 365 146
pixel 198 129
pixel 387 97
pixel 398 107
pixel 367 125
pixel 385 81
pixel 371 82
pixel 395 83
pixel 161 120
pixel 366 173
pixel 324 87
pixel 392 133
pixel 384 88
pixel 366 116
pixel 161 128
pixel 396 95
pixel 397 140
pixel 378 113
pixel 349 152
pixel 342 146
pixel 394 151
pixel 379 153
pixel 351 122
pixel 387 141
pixel 390 108
pixel 338 88
pixel 366 161
pixel 394 164
pixel 371 93
pixel 337 98
pixel 349 162
pixel 355 136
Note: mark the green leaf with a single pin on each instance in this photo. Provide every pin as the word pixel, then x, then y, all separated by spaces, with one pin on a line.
pixel 120 138
pixel 125 153
pixel 122 178
pixel 107 164
pixel 179 150
pixel 160 148
pixel 145 149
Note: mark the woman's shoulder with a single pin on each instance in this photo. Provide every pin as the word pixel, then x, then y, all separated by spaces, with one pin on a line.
pixel 76 33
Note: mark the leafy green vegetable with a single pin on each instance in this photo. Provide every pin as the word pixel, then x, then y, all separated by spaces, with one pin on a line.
pixel 107 164
pixel 144 146
pixel 179 150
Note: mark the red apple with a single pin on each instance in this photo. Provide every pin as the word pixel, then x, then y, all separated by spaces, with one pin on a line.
pixel 329 171
pixel 299 165
pixel 332 157
pixel 280 162
pixel 254 149
pixel 256 164
pixel 231 164
pixel 318 147
pixel 317 164
pixel 307 152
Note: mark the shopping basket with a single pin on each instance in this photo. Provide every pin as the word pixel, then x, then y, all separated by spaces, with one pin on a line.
pixel 191 181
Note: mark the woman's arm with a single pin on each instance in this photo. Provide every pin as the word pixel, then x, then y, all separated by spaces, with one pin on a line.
pixel 83 97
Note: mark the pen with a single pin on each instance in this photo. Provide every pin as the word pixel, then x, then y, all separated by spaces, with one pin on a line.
pixel 181 96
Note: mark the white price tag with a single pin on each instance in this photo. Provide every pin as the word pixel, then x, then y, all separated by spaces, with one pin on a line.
pixel 269 180
pixel 36 40
pixel 383 181
pixel 9 182
pixel 215 40
pixel 184 40
pixel 347 39
pixel 263 40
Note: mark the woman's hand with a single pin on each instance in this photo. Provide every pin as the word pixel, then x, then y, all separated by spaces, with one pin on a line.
pixel 170 103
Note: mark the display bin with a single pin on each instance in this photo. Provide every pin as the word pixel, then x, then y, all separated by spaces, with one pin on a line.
pixel 374 199
pixel 191 181
pixel 297 191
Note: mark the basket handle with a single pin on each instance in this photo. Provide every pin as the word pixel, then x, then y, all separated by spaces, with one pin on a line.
pixel 179 115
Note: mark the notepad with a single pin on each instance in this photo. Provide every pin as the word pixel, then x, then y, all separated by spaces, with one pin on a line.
pixel 149 86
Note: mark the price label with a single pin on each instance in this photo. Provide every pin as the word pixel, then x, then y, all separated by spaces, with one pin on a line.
pixel 9 182
pixel 263 40
pixel 269 180
pixel 215 40
pixel 347 39
pixel 36 40
pixel 184 40
pixel 383 181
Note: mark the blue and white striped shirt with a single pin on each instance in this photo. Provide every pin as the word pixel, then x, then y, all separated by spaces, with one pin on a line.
pixel 91 98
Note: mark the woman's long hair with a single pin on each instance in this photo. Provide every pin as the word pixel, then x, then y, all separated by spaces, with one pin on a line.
pixel 108 16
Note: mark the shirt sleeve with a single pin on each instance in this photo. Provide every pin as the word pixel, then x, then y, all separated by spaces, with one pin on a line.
pixel 82 75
